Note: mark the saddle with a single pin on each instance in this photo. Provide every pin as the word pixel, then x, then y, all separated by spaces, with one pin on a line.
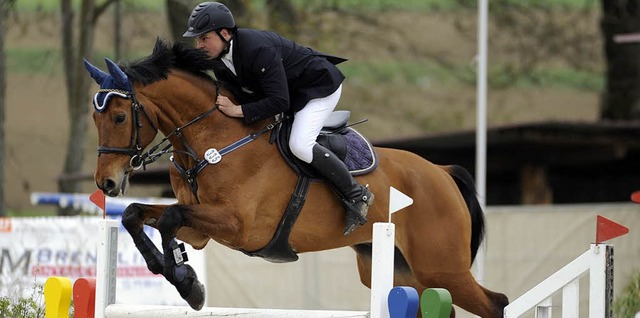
pixel 345 142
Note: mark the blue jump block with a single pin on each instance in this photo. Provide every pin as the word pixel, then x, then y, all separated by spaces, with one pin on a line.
pixel 403 302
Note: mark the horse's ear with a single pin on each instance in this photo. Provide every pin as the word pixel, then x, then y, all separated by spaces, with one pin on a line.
pixel 119 77
pixel 97 74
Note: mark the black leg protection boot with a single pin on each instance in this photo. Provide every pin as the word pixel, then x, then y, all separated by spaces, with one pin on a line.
pixel 355 197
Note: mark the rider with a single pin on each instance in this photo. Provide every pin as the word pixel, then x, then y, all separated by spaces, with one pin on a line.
pixel 277 75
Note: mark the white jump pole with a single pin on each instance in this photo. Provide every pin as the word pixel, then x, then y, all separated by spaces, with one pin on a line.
pixel 596 261
pixel 382 268
pixel 157 311
pixel 106 267
pixel 481 125
pixel 384 237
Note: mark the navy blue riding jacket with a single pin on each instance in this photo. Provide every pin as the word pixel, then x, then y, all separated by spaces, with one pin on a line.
pixel 276 75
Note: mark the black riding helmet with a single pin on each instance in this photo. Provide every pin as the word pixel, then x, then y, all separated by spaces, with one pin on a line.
pixel 207 17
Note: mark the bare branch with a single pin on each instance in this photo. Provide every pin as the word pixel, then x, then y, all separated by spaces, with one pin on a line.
pixel 100 9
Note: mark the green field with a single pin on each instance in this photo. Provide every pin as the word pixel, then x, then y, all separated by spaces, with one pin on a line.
pixel 370 5
pixel 41 60
pixel 46 61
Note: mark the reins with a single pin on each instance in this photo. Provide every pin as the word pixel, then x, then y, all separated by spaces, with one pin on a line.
pixel 211 156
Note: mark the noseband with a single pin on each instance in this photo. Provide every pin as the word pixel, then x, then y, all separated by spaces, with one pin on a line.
pixel 134 149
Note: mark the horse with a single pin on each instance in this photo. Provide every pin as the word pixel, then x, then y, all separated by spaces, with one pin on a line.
pixel 237 198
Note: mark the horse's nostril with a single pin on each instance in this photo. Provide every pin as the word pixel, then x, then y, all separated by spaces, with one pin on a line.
pixel 108 185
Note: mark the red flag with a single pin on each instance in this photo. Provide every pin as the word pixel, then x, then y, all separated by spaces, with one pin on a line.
pixel 607 229
pixel 98 199
pixel 635 197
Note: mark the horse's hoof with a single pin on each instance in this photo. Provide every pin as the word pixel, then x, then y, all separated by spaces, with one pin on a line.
pixel 195 298
pixel 188 285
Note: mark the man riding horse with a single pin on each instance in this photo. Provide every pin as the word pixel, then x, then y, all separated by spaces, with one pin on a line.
pixel 275 75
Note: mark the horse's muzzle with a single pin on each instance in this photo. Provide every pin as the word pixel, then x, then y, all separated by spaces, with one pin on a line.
pixel 113 186
pixel 109 187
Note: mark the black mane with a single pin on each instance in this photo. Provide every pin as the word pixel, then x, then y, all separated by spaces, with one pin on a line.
pixel 156 66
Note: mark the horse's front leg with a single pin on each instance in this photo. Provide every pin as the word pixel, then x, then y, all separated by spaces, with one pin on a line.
pixel 178 273
pixel 134 217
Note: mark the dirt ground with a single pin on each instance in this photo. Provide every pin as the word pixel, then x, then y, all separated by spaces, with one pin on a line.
pixel 36 115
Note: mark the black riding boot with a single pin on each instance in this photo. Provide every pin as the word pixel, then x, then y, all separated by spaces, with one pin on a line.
pixel 355 197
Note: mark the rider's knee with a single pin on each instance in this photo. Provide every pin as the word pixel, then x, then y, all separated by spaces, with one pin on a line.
pixel 301 150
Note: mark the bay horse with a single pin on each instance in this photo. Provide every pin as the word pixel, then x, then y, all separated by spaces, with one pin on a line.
pixel 239 201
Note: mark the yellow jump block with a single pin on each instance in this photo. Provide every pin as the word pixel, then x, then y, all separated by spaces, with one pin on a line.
pixel 57 297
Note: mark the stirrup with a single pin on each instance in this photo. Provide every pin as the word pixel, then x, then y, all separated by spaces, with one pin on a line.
pixel 357 211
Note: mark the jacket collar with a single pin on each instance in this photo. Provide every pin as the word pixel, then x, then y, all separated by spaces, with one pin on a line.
pixel 229 60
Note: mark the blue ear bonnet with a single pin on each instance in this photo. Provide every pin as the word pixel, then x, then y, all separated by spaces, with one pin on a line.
pixel 116 83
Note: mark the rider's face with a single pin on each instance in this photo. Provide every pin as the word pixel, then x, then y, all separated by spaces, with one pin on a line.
pixel 211 42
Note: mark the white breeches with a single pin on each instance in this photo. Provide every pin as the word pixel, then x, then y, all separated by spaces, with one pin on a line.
pixel 308 122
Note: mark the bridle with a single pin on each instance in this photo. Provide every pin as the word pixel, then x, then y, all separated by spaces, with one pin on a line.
pixel 138 158
pixel 134 149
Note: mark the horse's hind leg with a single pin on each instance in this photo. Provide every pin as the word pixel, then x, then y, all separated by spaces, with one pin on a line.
pixel 402 275
pixel 465 291
pixel 469 295
pixel 179 274
pixel 134 218
pixel 450 270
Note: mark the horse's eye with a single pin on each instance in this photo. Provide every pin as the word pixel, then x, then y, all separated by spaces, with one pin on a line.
pixel 120 118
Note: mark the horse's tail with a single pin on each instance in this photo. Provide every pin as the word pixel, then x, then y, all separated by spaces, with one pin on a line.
pixel 465 183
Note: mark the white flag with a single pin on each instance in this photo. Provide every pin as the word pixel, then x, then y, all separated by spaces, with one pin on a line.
pixel 398 200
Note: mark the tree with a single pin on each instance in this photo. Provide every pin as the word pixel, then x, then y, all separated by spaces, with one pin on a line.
pixel 620 27
pixel 75 47
pixel 5 9
pixel 178 12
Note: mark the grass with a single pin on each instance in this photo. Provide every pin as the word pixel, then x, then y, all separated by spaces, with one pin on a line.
pixel 628 303
pixel 34 60
pixel 47 61
pixel 33 213
pixel 373 5
pixel 54 5
pixel 422 73
pixel 381 5
pixel 417 73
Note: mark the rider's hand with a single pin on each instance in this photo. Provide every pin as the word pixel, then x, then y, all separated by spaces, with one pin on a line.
pixel 228 108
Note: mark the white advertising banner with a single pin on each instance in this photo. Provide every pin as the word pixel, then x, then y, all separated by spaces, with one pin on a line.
pixel 33 249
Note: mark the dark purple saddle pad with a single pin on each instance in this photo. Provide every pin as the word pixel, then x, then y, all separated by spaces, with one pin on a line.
pixel 348 144
pixel 361 157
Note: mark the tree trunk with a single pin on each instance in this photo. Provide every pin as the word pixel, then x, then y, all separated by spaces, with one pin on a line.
pixel 117 30
pixel 178 12
pixel 77 87
pixel 620 27
pixel 4 13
